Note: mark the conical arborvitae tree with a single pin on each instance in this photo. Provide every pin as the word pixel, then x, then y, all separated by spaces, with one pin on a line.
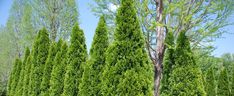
pixel 128 71
pixel 77 55
pixel 232 83
pixel 40 53
pixel 19 88
pixel 210 83
pixel 27 71
pixel 168 61
pixel 58 72
pixel 223 84
pixel 14 77
pixel 48 68
pixel 31 64
pixel 91 79
pixel 186 77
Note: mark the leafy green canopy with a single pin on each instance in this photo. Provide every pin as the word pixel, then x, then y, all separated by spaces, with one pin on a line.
pixel 128 71
pixel 168 62
pixel 77 55
pixel 186 77
pixel 91 79
pixel 58 72
pixel 223 84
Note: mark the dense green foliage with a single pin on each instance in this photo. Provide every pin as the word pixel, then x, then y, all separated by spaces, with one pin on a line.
pixel 48 68
pixel 91 79
pixel 19 89
pixel 14 77
pixel 58 72
pixel 232 82
pixel 40 53
pixel 202 20
pixel 27 71
pixel 33 62
pixel 60 67
pixel 223 84
pixel 76 58
pixel 168 62
pixel 186 77
pixel 26 18
pixel 210 83
pixel 126 57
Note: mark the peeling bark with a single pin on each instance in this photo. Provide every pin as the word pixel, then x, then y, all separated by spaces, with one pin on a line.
pixel 160 35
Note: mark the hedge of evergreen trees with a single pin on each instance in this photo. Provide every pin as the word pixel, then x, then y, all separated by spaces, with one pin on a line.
pixel 183 77
pixel 119 69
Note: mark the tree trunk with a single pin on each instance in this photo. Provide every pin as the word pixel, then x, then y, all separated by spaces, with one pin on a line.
pixel 159 47
pixel 53 25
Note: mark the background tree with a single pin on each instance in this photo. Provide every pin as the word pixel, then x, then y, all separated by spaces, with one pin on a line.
pixel 16 31
pixel 90 84
pixel 128 70
pixel 210 83
pixel 168 62
pixel 5 60
pixel 58 16
pixel 186 76
pixel 202 20
pixel 58 72
pixel 223 84
pixel 76 59
pixel 16 36
pixel 27 27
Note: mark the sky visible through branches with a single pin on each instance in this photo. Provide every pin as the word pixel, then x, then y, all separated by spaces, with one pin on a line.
pixel 88 22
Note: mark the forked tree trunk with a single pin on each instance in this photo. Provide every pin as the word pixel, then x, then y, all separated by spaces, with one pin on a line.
pixel 159 47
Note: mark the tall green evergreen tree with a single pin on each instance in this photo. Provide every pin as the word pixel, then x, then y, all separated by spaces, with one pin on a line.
pixel 10 80
pixel 40 53
pixel 186 76
pixel 223 84
pixel 91 79
pixel 232 82
pixel 128 71
pixel 58 72
pixel 210 83
pixel 77 55
pixel 19 89
pixel 33 61
pixel 168 61
pixel 14 77
pixel 48 68
pixel 27 71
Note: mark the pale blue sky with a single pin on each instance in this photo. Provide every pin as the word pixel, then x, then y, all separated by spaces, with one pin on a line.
pixel 88 23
